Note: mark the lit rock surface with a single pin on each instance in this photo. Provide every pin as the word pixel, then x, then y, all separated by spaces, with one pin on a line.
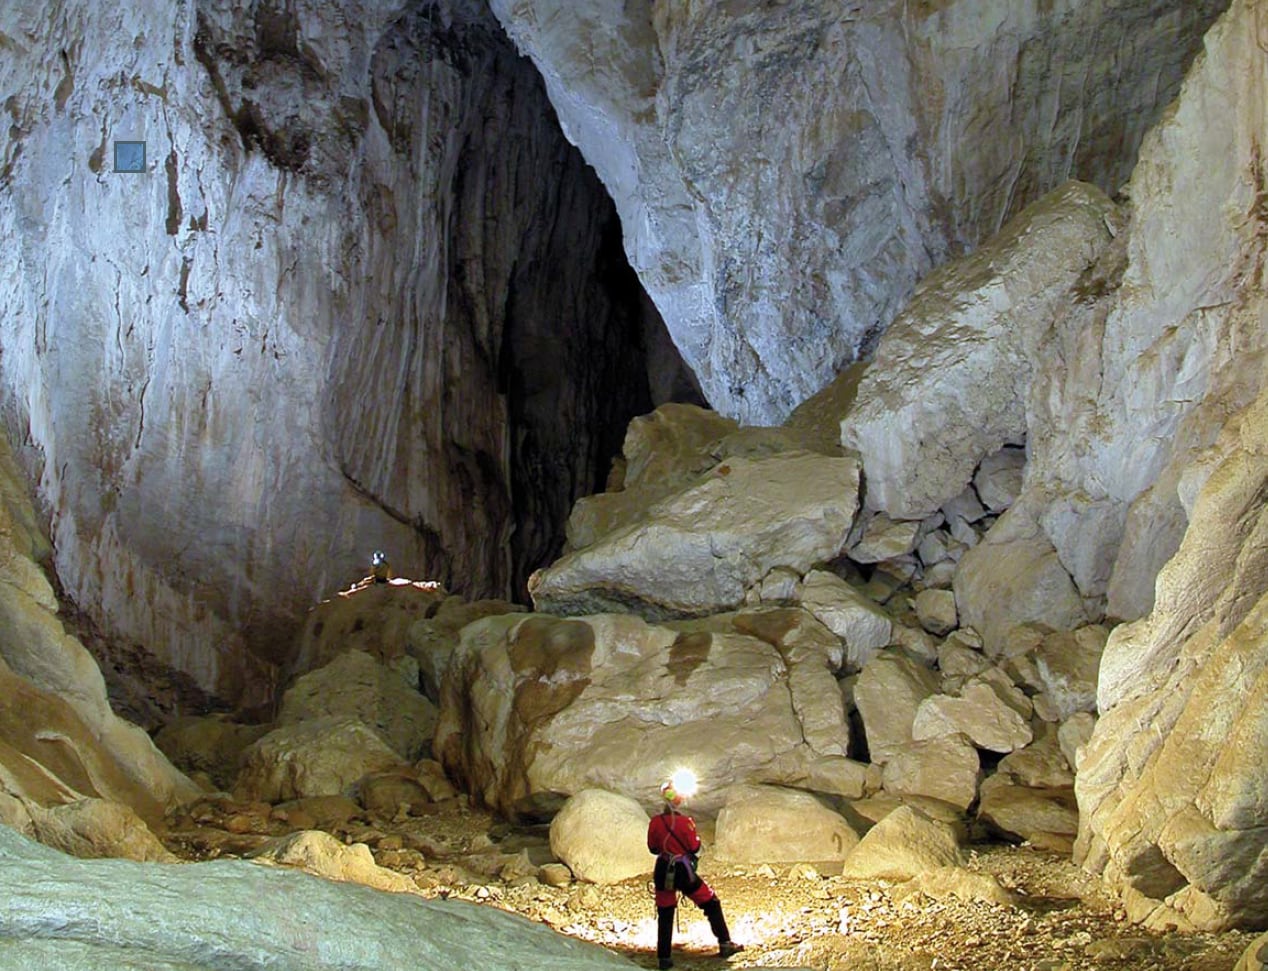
pixel 537 708
pixel 223 916
pixel 903 845
pixel 768 824
pixel 328 314
pixel 1171 785
pixel 951 377
pixel 602 837
pixel 355 685
pixel 888 693
pixel 978 713
pixel 321 757
pixel 698 551
pixel 864 627
pixel 946 768
pixel 784 180
pixel 322 855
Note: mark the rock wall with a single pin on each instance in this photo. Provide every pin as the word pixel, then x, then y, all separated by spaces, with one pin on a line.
pixel 1171 787
pixel 786 173
pixel 364 295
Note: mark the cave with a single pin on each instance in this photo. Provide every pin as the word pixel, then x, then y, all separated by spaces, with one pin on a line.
pixel 860 406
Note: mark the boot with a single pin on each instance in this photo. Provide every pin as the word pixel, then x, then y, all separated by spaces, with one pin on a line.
pixel 664 936
pixel 717 923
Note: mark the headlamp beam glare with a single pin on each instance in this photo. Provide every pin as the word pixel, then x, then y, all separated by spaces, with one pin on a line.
pixel 684 782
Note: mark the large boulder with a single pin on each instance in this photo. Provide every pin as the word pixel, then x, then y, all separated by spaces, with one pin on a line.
pixel 355 685
pixel 860 623
pixel 61 912
pixel 602 837
pixel 92 828
pixel 903 845
pixel 954 368
pixel 947 768
pixel 777 252
pixel 325 856
pixel 538 708
pixel 431 640
pixel 889 690
pixel 979 713
pixel 1013 578
pixel 319 757
pixel 770 824
pixel 698 551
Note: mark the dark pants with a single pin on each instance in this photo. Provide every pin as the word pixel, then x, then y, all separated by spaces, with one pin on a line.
pixel 674 875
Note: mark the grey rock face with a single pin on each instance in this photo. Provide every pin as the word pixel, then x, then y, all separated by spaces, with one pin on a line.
pixel 227 915
pixel 363 282
pixel 785 174
pixel 698 551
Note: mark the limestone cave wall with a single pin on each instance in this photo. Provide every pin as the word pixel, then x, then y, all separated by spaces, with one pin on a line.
pixel 363 295
pixel 786 172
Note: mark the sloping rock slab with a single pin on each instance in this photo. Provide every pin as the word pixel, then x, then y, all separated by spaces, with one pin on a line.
pixel 698 552
pixel 953 369
pixel 228 915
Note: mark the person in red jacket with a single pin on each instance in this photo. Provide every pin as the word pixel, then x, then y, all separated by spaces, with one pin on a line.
pixel 672 837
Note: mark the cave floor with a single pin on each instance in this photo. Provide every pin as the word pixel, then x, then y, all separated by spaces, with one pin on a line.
pixel 788 917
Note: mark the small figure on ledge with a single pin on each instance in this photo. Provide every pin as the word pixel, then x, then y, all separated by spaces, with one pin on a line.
pixel 380 569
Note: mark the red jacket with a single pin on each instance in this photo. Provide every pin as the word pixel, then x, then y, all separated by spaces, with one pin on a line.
pixel 672 834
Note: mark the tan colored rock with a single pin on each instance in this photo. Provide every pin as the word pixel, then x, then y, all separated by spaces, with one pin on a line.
pixel 355 685
pixel 903 845
pixel 1014 577
pixel 14 814
pixel 1067 666
pixel 1170 786
pixel 321 757
pixel 699 550
pixel 946 768
pixel 888 693
pixel 1041 764
pixel 391 794
pixel 602 837
pixel 936 611
pixel 94 828
pixel 1045 817
pixel 813 655
pixel 916 642
pixel 958 662
pixel 431 640
pixel 978 713
pixel 1074 734
pixel 881 538
pixel 769 824
pixel 322 855
pixel 210 744
pixel 373 618
pixel 947 883
pixel 319 812
pixel 540 707
pixel 864 627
